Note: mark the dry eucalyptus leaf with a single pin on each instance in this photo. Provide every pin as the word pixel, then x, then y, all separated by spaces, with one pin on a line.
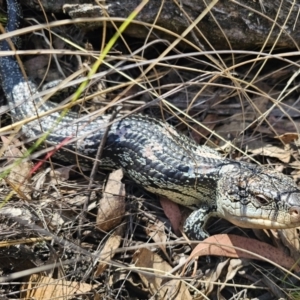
pixel 157 233
pixel 288 137
pixel 213 276
pixel 122 278
pixel 19 177
pixel 199 132
pixel 233 267
pixel 158 286
pixel 264 149
pixel 257 108
pixel 61 174
pixel 55 220
pixel 42 288
pixel 233 128
pixel 107 252
pixel 112 205
pixel 229 245
pixel 290 238
pixel 173 212
pixel 230 267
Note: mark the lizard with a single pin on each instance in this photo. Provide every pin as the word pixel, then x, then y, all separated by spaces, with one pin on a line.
pixel 159 158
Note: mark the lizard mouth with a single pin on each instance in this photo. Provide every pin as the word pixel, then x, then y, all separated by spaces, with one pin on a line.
pixel 287 221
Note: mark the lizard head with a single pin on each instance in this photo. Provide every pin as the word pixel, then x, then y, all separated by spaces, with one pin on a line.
pixel 256 197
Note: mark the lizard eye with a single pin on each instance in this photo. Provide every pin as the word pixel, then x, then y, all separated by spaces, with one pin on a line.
pixel 261 199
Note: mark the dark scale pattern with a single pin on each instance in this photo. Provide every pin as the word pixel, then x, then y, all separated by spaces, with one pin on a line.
pixel 156 156
pixel 160 162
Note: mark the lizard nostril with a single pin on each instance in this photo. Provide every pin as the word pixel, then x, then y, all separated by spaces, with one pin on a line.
pixel 294 211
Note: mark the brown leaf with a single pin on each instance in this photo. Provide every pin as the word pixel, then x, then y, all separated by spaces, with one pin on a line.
pixel 288 137
pixel 234 266
pixel 61 174
pixel 112 205
pixel 42 288
pixel 233 128
pixel 228 267
pixel 210 122
pixel 172 211
pixel 128 279
pixel 214 276
pixel 19 177
pixel 153 263
pixel 290 238
pixel 228 245
pixel 107 253
pixel 261 148
pixel 157 233
pixel 257 108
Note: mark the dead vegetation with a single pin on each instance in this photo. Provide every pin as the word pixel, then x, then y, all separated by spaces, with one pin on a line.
pixel 68 235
